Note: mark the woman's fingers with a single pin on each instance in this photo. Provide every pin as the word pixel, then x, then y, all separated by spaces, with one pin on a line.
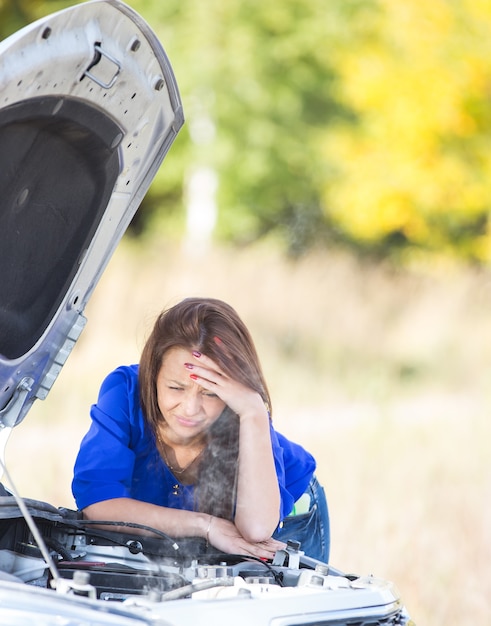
pixel 209 375
pixel 225 536
pixel 204 367
pixel 204 376
pixel 241 399
pixel 264 549
pixel 204 360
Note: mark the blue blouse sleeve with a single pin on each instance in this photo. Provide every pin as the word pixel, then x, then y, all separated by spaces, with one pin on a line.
pixel 294 468
pixel 105 462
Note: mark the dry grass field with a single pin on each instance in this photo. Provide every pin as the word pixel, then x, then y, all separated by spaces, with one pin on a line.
pixel 384 375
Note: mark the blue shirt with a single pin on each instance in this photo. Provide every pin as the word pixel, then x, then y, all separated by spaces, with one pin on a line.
pixel 118 457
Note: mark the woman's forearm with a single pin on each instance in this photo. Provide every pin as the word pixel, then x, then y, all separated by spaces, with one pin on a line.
pixel 174 522
pixel 258 495
pixel 177 523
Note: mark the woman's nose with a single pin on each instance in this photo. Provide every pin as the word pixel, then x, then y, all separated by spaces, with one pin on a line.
pixel 192 402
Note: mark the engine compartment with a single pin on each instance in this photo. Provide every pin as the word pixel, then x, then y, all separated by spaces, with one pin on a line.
pixel 113 565
pixel 114 568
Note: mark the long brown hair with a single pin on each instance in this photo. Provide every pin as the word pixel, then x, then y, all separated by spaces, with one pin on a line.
pixel 214 328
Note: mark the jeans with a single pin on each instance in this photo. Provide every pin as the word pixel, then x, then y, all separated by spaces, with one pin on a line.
pixel 311 529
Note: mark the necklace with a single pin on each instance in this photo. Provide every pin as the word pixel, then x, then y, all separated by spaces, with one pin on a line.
pixel 176 470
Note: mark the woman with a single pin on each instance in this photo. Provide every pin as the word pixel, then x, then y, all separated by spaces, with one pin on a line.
pixel 184 443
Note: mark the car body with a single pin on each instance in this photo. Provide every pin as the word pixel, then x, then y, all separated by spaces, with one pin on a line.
pixel 89 107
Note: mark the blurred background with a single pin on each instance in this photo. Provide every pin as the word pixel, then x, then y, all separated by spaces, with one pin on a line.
pixel 332 182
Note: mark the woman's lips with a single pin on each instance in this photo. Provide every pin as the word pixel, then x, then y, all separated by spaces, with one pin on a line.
pixel 187 422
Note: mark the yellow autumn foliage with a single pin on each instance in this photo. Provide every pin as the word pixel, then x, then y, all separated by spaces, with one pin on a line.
pixel 418 161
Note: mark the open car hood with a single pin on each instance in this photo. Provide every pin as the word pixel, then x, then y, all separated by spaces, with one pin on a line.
pixel 89 107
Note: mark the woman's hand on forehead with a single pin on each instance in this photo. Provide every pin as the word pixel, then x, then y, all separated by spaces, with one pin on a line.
pixel 241 399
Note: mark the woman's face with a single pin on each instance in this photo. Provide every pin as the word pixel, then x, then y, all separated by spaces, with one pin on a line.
pixel 188 409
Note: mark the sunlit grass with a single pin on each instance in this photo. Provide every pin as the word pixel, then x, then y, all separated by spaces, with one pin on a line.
pixel 383 375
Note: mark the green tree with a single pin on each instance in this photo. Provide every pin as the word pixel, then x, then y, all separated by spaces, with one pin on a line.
pixel 258 86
